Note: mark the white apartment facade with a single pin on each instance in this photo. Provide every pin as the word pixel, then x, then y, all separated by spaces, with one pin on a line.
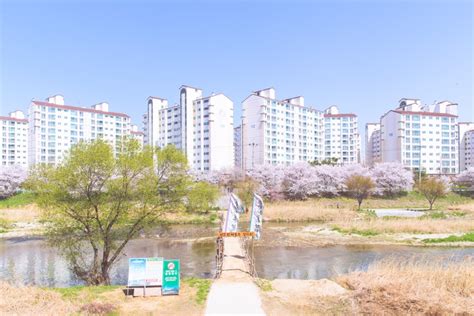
pixel 213 133
pixel 54 127
pixel 14 139
pixel 372 144
pixel 423 137
pixel 162 123
pixel 136 134
pixel 200 126
pixel 284 132
pixel 341 136
pixel 466 145
pixel 238 147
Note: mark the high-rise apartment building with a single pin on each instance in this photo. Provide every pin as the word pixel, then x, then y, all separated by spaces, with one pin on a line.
pixel 14 139
pixel 162 123
pixel 423 137
pixel 372 143
pixel 283 132
pixel 341 136
pixel 200 126
pixel 466 145
pixel 54 127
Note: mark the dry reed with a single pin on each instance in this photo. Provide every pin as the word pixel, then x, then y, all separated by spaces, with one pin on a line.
pixel 311 210
pixel 409 225
pixel 414 287
pixel 23 300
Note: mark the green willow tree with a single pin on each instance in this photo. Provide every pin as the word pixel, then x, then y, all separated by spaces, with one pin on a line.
pixel 94 203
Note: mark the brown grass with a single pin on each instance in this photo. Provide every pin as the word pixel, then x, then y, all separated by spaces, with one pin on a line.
pixel 32 301
pixel 408 225
pixel 29 213
pixel 25 300
pixel 394 287
pixel 341 208
pixel 311 210
pixel 468 209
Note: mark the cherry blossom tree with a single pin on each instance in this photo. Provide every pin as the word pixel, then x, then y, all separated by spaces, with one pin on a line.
pixel 299 181
pixel 11 177
pixel 466 178
pixel 391 178
pixel 225 178
pixel 270 180
pixel 328 180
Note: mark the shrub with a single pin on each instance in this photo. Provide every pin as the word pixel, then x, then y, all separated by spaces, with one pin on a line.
pixel 98 308
pixel 432 188
pixel 202 196
pixel 360 187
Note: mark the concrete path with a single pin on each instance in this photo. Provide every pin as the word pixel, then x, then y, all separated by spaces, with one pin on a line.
pixel 234 293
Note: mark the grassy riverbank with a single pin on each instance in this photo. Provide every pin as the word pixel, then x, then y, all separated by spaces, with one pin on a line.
pixel 454 216
pixel 18 200
pixel 102 300
pixel 19 216
pixel 342 208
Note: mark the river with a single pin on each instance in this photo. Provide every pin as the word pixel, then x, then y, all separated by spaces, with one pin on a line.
pixel 31 261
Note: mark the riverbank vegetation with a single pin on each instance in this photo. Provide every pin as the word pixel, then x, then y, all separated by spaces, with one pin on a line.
pixel 469 237
pixel 303 181
pixel 388 287
pixel 376 226
pixel 19 200
pixel 101 300
pixel 455 217
pixel 343 208
pixel 400 287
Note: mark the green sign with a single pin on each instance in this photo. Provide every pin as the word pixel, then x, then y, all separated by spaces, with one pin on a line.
pixel 171 271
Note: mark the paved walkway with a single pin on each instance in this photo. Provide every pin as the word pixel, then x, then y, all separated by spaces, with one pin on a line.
pixel 234 293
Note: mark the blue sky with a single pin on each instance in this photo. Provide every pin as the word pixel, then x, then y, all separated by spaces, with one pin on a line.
pixel 360 55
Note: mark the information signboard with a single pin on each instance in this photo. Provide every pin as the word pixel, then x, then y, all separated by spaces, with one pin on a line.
pixel 171 277
pixel 145 271
pixel 136 271
pixel 154 271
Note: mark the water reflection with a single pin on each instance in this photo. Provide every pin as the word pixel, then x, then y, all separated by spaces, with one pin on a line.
pixel 326 262
pixel 33 262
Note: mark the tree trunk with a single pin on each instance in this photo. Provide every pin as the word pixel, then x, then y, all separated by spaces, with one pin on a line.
pixel 360 203
pixel 431 205
pixel 99 278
